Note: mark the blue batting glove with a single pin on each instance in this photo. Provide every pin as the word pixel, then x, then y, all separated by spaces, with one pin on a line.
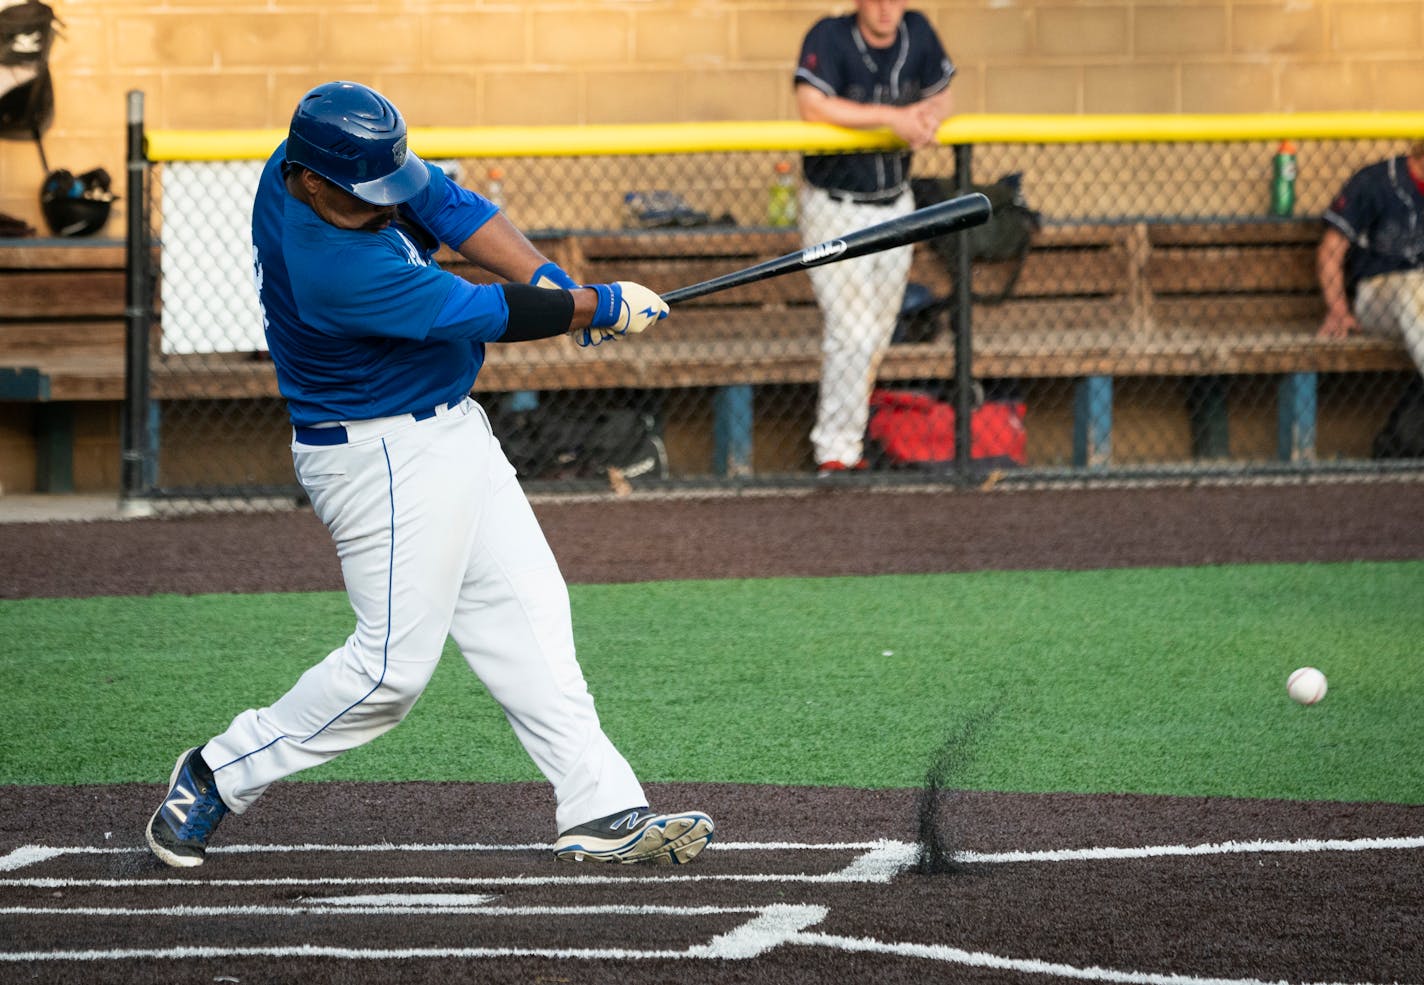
pixel 552 275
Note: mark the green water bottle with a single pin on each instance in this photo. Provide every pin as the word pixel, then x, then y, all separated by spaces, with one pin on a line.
pixel 781 202
pixel 1283 180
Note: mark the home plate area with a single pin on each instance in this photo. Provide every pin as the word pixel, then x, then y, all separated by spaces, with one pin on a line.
pixel 1264 901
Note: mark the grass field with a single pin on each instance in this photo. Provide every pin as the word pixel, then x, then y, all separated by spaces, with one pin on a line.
pixel 1164 681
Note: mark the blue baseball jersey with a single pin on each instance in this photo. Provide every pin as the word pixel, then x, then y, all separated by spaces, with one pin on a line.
pixel 837 60
pixel 365 324
pixel 1381 212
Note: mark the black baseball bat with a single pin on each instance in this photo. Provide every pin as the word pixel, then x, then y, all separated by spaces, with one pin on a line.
pixel 962 212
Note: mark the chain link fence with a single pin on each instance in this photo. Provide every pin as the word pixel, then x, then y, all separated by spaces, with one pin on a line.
pixel 1162 321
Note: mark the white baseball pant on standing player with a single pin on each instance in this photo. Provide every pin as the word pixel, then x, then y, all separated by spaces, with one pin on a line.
pixel 860 301
pixel 435 538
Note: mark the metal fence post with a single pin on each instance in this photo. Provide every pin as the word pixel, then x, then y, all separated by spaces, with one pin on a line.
pixel 1092 422
pixel 138 460
pixel 732 431
pixel 963 332
pixel 1295 418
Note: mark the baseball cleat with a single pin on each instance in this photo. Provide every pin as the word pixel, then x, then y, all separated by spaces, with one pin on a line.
pixel 179 830
pixel 637 835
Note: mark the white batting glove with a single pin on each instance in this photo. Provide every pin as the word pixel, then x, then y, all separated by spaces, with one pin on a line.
pixel 626 307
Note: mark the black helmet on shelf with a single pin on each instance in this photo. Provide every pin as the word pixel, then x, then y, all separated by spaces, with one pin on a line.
pixel 76 205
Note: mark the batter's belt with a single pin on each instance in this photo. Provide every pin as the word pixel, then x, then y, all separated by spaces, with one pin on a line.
pixel 340 434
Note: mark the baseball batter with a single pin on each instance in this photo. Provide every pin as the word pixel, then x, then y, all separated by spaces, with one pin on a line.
pixel 376 349
pixel 882 66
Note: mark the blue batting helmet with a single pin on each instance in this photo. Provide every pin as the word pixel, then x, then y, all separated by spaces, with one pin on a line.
pixel 353 137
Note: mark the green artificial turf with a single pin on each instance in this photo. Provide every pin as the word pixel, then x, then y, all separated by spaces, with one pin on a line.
pixel 1142 680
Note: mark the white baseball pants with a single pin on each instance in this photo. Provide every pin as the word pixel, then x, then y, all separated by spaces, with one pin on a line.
pixel 1393 304
pixel 860 301
pixel 436 540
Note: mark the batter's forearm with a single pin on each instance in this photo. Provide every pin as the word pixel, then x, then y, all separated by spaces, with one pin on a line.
pixel 499 247
pixel 542 313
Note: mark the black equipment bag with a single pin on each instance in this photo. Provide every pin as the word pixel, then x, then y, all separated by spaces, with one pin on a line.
pixel 27 32
pixel 1403 433
pixel 1006 237
pixel 552 443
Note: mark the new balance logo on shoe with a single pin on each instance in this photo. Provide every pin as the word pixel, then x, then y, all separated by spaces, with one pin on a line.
pixel 180 798
pixel 627 822
pixel 634 836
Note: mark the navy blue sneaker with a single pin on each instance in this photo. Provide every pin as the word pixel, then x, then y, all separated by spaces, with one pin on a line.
pixel 637 835
pixel 179 830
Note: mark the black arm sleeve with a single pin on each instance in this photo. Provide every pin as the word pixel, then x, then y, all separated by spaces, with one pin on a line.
pixel 536 312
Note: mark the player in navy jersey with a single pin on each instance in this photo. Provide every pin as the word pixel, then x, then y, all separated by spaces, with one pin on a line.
pixel 882 66
pixel 1371 257
pixel 376 349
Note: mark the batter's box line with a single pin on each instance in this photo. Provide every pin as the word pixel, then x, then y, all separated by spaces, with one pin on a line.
pixel 879 862
pixel 883 859
pixel 387 904
pixel 773 926
pixel 770 927
pixel 30 854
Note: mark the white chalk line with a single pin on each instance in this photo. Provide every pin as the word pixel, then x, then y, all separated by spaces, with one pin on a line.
pixel 342 953
pixel 393 905
pixel 27 855
pixel 980 959
pixel 31 854
pixel 882 861
pixel 1215 848
pixel 771 927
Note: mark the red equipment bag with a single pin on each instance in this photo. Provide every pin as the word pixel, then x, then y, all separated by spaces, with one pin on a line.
pixel 914 428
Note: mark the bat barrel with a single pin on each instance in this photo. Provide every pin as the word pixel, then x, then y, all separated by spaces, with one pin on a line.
pixel 961 212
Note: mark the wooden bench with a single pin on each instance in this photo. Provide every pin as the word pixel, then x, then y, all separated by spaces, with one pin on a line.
pixel 61 338
pixel 1094 303
pixel 1200 299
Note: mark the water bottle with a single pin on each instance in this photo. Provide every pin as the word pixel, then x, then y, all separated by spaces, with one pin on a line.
pixel 1283 180
pixel 494 191
pixel 781 204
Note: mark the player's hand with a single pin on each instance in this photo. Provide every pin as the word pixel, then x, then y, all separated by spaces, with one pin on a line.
pixel 620 308
pixel 916 125
pixel 1338 324
pixel 626 307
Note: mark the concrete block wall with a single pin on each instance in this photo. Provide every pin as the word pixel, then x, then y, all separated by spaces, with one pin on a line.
pixel 218 64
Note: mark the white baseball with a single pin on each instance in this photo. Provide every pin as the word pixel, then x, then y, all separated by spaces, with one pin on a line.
pixel 1306 685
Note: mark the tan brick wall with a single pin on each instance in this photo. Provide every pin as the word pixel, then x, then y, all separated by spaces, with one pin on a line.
pixel 242 63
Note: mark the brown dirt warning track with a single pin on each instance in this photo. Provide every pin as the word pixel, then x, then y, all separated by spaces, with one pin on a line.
pixel 443 882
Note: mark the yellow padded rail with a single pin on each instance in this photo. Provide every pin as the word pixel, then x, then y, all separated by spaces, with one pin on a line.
pixel 779 135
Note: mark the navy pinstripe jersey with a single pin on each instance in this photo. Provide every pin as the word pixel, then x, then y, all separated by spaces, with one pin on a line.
pixel 837 60
pixel 1381 212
